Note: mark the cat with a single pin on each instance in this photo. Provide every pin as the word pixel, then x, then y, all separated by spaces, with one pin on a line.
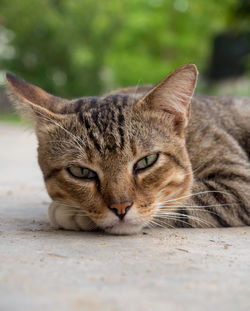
pixel 142 156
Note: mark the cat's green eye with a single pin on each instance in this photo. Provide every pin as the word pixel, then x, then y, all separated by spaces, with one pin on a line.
pixel 146 162
pixel 82 172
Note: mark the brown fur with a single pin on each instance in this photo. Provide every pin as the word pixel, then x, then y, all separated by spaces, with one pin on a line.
pixel 109 134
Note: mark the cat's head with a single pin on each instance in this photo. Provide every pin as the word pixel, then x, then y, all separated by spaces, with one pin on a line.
pixel 120 160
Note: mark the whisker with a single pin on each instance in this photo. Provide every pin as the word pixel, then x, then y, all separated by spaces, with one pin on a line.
pixel 68 205
pixel 168 207
pixel 157 222
pixel 75 138
pixel 69 213
pixel 164 212
pixel 73 208
pixel 175 218
pixel 137 87
pixel 153 222
pixel 194 194
pixel 189 217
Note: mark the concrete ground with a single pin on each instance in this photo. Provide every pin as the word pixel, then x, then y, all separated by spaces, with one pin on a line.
pixel 45 269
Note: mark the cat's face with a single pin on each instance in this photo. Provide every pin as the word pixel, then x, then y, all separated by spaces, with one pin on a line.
pixel 132 160
pixel 115 162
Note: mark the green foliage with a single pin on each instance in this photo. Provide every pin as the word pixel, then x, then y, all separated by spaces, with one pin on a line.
pixel 10 117
pixel 74 48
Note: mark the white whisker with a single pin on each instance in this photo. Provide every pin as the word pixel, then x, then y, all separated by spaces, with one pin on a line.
pixel 194 194
pixel 177 215
pixel 75 138
pixel 188 206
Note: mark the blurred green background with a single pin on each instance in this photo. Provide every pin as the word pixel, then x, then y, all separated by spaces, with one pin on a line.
pixel 75 48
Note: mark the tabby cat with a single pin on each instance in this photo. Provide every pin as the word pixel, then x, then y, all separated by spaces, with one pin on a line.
pixel 142 156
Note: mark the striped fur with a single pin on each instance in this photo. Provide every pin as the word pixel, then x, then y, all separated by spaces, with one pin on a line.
pixel 201 177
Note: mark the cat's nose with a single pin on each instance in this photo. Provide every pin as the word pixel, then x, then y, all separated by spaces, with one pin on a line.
pixel 121 209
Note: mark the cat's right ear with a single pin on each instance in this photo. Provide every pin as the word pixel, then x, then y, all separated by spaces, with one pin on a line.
pixel 33 101
pixel 173 96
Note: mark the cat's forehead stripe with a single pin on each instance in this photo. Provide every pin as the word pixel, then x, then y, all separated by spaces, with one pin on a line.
pixel 103 117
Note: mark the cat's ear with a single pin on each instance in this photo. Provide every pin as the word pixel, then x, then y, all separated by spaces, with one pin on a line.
pixel 173 95
pixel 35 102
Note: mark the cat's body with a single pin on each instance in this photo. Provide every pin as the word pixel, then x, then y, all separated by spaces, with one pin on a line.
pixel 218 143
pixel 130 159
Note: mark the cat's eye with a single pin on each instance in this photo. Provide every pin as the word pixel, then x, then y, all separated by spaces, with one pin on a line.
pixel 82 172
pixel 146 162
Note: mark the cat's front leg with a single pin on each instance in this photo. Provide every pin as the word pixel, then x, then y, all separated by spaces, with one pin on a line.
pixel 63 216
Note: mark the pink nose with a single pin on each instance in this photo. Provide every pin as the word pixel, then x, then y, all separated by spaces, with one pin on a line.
pixel 120 209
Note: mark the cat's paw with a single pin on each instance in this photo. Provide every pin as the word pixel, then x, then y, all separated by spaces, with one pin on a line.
pixel 65 217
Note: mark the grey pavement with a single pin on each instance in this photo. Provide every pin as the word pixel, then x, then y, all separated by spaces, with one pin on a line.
pixel 160 269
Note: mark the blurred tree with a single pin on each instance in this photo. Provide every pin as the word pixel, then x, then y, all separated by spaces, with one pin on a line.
pixel 231 48
pixel 74 48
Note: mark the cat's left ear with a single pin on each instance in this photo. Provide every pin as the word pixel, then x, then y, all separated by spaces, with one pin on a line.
pixel 173 96
pixel 34 102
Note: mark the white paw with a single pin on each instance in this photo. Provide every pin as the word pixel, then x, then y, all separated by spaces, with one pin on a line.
pixel 65 217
